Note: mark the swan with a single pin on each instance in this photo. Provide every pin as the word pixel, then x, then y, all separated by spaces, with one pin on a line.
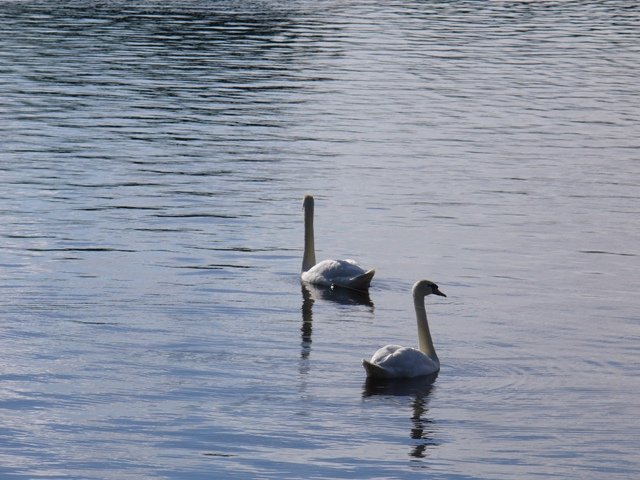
pixel 394 361
pixel 340 273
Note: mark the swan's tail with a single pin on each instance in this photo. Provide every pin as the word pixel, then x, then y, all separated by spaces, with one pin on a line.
pixel 374 371
pixel 362 282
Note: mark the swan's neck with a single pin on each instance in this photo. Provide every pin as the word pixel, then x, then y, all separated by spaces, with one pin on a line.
pixel 424 335
pixel 309 257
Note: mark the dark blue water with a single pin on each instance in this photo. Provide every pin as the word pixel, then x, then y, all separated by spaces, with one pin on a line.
pixel 153 160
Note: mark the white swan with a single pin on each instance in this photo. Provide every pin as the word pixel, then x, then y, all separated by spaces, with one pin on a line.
pixel 341 273
pixel 394 361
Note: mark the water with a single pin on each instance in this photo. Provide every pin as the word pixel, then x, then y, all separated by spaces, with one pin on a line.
pixel 153 163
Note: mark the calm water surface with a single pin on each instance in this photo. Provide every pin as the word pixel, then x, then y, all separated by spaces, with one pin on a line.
pixel 153 159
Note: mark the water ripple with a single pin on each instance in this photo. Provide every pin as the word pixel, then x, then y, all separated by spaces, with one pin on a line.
pixel 153 159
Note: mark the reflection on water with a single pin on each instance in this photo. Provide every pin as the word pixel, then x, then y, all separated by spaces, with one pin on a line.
pixel 152 158
pixel 419 389
pixel 422 430
pixel 342 296
pixel 311 293
pixel 399 386
pixel 307 321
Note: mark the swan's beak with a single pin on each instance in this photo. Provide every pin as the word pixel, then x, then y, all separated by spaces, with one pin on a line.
pixel 438 292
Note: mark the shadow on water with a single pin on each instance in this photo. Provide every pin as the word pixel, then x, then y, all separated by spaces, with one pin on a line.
pixel 399 386
pixel 421 426
pixel 343 296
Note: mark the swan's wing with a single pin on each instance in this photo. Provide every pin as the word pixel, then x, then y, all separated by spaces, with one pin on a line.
pixel 374 368
pixel 361 282
pixel 374 371
pixel 343 273
pixel 403 362
pixel 321 273
pixel 337 268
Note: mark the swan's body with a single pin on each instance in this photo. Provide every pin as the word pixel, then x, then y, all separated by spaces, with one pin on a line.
pixel 340 273
pixel 394 361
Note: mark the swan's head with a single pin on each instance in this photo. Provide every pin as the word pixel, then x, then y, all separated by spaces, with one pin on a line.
pixel 426 287
pixel 308 202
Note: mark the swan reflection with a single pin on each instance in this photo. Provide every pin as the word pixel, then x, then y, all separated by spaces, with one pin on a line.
pixel 311 293
pixel 421 431
pixel 307 322
pixel 343 296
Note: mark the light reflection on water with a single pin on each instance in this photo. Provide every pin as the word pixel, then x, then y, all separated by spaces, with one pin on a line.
pixel 153 161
